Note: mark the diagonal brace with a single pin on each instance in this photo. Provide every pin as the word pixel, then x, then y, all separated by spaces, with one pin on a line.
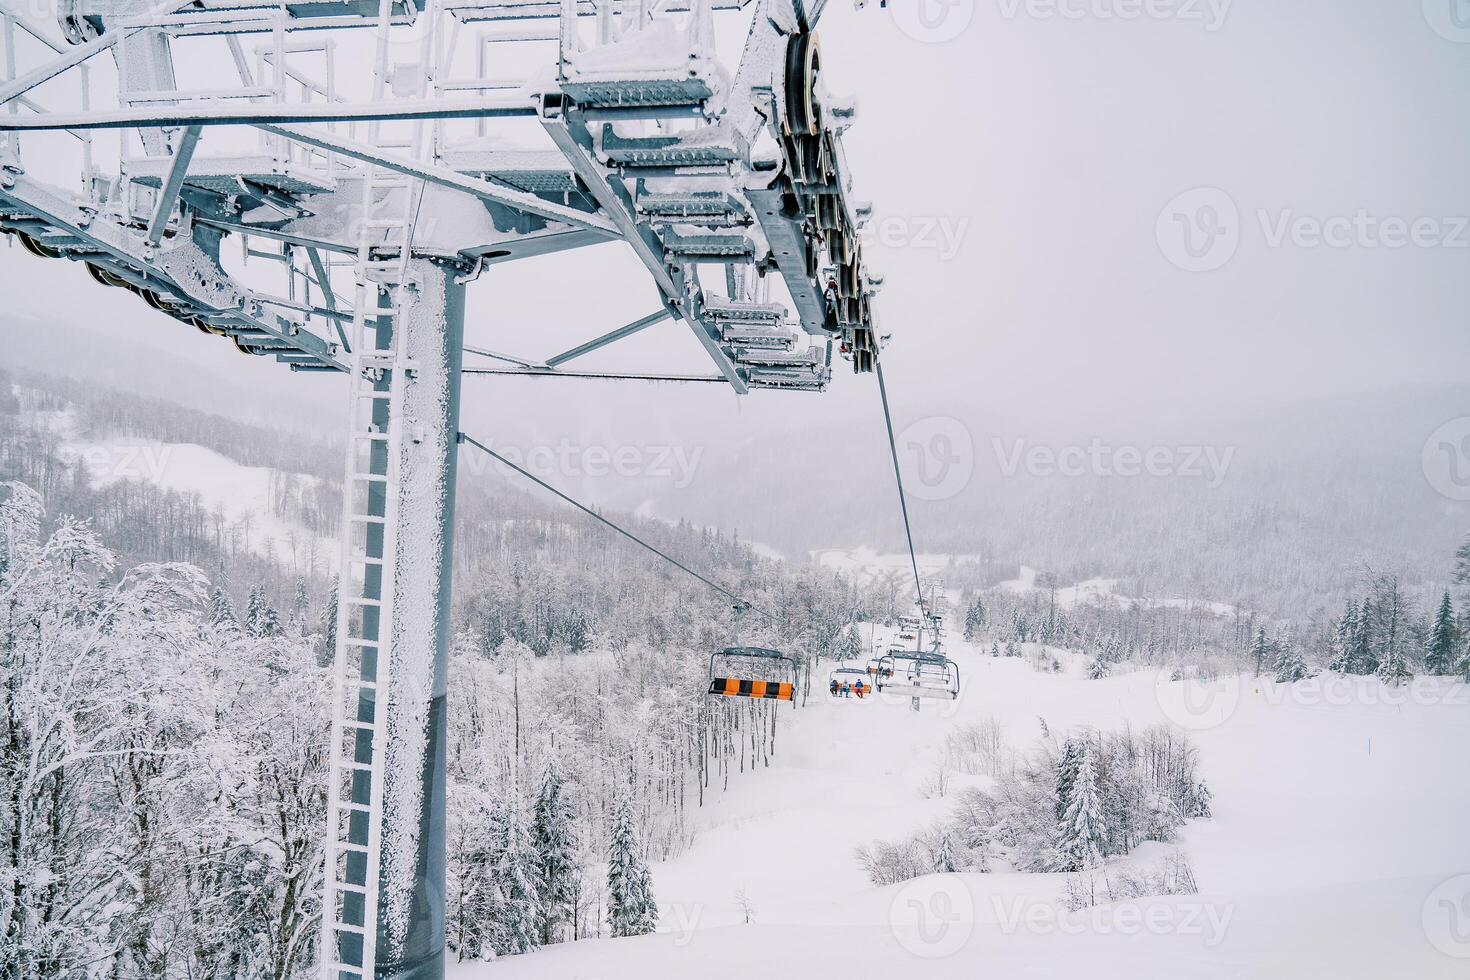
pixel 169 192
pixel 608 338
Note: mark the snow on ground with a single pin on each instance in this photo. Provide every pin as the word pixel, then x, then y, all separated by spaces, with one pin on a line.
pixel 865 564
pixel 1336 816
pixel 240 494
pixel 1100 590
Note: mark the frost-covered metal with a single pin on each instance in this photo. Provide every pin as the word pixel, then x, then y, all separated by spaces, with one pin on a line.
pixel 317 182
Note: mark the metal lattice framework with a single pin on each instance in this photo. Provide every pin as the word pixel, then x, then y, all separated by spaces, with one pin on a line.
pixel 318 180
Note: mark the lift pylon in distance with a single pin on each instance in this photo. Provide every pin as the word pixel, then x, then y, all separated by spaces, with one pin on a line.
pixel 318 183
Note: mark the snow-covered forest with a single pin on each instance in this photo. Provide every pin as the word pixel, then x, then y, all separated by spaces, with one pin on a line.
pixel 165 685
pixel 159 764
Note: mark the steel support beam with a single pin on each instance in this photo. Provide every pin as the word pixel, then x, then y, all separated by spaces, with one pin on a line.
pixel 610 337
pixel 483 189
pixel 265 113
pixel 178 168
pixel 410 914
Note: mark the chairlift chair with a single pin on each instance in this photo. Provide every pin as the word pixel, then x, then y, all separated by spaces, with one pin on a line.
pixel 919 675
pixel 752 672
pixel 851 676
pixel 876 667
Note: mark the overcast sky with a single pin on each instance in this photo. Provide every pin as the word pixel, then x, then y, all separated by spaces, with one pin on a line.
pixel 1085 210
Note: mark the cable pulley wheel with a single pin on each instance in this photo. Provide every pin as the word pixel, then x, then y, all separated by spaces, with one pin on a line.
pixel 803 64
pixel 37 249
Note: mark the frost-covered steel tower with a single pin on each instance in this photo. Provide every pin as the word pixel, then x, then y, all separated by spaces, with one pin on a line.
pixel 318 180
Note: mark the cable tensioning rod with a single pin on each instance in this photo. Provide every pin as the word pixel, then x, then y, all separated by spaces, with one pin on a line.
pixel 898 476
pixel 739 602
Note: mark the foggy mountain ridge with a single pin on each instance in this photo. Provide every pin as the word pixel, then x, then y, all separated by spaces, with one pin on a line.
pixel 1292 504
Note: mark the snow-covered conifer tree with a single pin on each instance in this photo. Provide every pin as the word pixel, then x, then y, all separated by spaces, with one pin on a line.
pixel 516 904
pixel 221 610
pixel 1395 669
pixel 944 859
pixel 1083 828
pixel 554 837
pixel 1260 651
pixel 1439 656
pixel 974 619
pixel 1364 658
pixel 631 910
pixel 1067 765
pixel 1290 667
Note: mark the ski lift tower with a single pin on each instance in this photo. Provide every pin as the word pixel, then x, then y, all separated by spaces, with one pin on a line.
pixel 317 182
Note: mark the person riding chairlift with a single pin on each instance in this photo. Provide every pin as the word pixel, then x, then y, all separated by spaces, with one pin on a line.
pixel 833 687
pixel 846 689
pixel 860 688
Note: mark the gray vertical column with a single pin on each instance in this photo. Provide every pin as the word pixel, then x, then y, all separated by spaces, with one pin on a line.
pixel 410 915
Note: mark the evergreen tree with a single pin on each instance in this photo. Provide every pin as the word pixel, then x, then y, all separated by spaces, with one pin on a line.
pixel 994 649
pixel 256 609
pixel 850 644
pixel 944 860
pixel 1395 668
pixel 974 619
pixel 1462 562
pixel 553 834
pixel 1198 804
pixel 1260 650
pixel 1290 667
pixel 329 625
pixel 1439 657
pixel 1342 640
pixel 300 609
pixel 631 910
pixel 270 623
pixel 1364 660
pixel 1083 827
pixel 1097 669
pixel 1067 764
pixel 516 906
pixel 221 611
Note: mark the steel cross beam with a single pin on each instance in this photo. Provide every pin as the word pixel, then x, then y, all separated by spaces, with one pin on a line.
pixel 256 114
pixel 483 189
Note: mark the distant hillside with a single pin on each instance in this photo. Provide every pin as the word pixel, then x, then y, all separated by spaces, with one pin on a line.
pixel 1281 518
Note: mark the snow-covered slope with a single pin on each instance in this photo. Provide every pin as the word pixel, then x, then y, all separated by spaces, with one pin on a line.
pixel 1336 818
pixel 241 495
